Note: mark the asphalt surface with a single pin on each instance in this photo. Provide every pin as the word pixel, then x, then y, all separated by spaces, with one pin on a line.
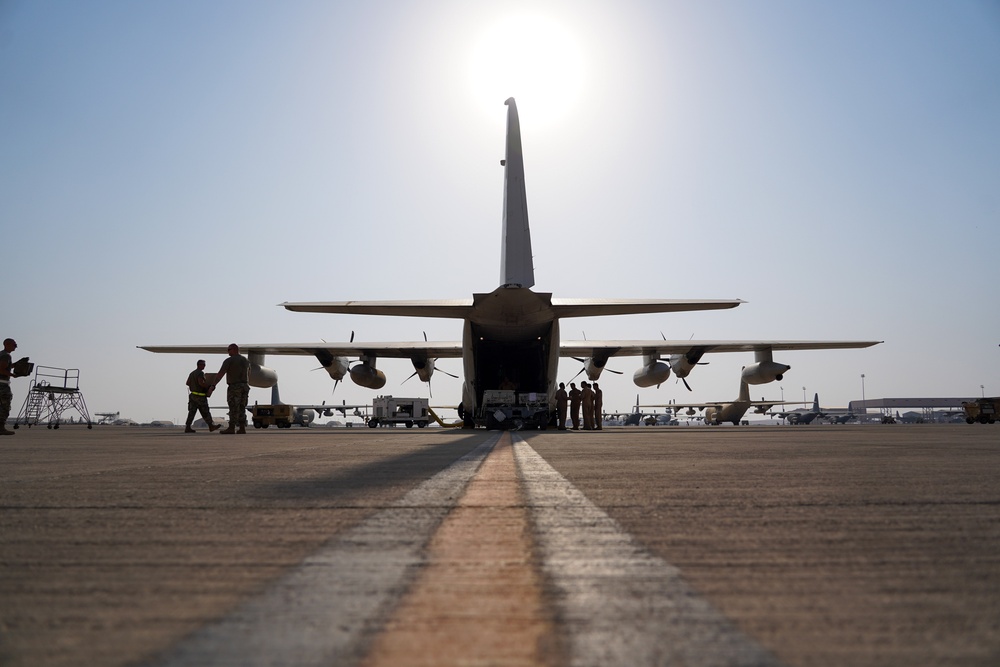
pixel 813 545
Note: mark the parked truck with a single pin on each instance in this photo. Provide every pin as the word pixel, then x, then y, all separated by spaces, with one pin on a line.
pixel 262 416
pixel 389 411
pixel 983 410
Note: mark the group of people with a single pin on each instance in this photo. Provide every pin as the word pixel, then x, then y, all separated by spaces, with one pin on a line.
pixel 591 399
pixel 236 370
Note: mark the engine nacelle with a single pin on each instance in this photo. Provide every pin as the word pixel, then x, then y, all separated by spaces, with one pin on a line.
pixel 764 372
pixel 654 373
pixel 711 416
pixel 424 368
pixel 305 416
pixel 594 367
pixel 337 368
pixel 262 376
pixel 681 366
pixel 368 376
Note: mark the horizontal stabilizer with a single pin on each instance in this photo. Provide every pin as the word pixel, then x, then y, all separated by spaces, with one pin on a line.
pixel 597 307
pixel 456 308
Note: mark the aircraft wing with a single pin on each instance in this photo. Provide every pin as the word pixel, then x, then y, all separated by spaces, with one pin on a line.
pixel 635 348
pixel 401 350
pixel 456 308
pixel 718 404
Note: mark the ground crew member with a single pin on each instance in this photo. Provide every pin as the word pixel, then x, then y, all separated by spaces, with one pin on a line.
pixel 598 408
pixel 574 405
pixel 6 373
pixel 561 399
pixel 237 371
pixel 198 398
pixel 588 407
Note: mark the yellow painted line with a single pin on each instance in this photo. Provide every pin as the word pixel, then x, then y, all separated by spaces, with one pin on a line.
pixel 479 600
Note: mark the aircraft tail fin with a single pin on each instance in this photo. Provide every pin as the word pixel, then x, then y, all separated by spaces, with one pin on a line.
pixel 816 402
pixel 516 266
pixel 744 392
pixel 275 399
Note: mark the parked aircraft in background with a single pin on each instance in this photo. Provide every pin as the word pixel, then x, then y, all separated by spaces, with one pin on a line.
pixel 106 417
pixel 361 411
pixel 840 419
pixel 719 413
pixel 802 415
pixel 511 335
pixel 634 418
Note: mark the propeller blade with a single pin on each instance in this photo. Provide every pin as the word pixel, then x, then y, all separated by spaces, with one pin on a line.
pixel 686 384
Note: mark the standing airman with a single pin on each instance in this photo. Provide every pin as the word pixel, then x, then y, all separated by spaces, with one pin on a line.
pixel 574 405
pixel 237 371
pixel 588 407
pixel 561 400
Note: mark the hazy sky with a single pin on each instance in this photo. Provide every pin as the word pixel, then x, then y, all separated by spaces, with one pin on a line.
pixel 170 171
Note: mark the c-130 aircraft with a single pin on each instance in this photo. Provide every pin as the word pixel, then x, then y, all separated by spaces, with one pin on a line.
pixel 510 336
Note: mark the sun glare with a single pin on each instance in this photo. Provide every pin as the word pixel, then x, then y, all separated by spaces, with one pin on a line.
pixel 533 59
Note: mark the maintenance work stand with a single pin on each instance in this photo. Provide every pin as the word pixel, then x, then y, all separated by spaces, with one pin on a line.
pixel 52 392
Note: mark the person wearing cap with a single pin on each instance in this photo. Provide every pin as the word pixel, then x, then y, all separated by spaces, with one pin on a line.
pixel 236 370
pixel 199 392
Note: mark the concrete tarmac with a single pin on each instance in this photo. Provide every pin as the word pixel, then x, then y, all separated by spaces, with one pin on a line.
pixel 811 545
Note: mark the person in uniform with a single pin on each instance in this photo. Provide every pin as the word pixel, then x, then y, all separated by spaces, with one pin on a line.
pixel 6 373
pixel 574 405
pixel 598 408
pixel 237 371
pixel 561 400
pixel 198 398
pixel 588 407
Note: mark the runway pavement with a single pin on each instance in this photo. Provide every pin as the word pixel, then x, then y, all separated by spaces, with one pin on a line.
pixel 813 545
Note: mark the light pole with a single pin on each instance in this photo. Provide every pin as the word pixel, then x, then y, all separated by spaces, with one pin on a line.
pixel 982 390
pixel 803 395
pixel 863 406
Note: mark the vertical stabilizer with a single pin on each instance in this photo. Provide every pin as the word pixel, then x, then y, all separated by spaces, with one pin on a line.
pixel 744 396
pixel 816 402
pixel 275 398
pixel 516 267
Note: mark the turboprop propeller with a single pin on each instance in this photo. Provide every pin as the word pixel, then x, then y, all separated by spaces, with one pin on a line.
pixel 425 367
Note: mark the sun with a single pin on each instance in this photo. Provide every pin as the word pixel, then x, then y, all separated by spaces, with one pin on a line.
pixel 533 59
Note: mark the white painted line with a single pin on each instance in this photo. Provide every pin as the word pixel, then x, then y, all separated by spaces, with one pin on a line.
pixel 326 610
pixel 619 604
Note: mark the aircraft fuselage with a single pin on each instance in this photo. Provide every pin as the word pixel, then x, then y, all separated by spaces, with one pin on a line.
pixel 510 341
